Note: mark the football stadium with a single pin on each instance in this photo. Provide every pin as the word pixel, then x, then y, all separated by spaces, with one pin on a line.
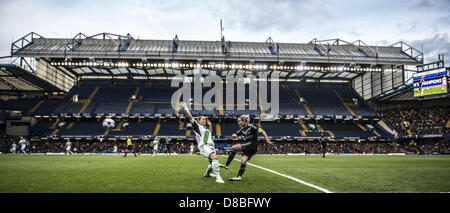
pixel 104 114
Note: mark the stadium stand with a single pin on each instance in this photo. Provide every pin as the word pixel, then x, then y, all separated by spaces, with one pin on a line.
pixel 329 91
pixel 99 98
pixel 423 121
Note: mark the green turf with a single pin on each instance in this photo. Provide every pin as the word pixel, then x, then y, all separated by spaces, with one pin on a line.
pixel 184 174
pixel 436 89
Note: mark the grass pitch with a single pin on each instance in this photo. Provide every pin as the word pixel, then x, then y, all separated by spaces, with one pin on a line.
pixel 431 90
pixel 184 174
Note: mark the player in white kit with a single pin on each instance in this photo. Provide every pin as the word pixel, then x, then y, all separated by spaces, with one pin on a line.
pixel 444 83
pixel 13 148
pixel 23 145
pixel 68 147
pixel 155 145
pixel 191 149
pixel 205 143
pixel 115 149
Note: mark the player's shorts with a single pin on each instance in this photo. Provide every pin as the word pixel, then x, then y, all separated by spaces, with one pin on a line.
pixel 206 151
pixel 130 147
pixel 68 149
pixel 249 150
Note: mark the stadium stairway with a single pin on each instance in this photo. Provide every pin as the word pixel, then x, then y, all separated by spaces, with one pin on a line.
pixel 155 132
pixel 127 111
pixel 384 127
pixel 188 132
pixel 35 107
pixel 86 103
pixel 218 130
pixel 304 104
pixel 304 129
pixel 310 113
pixel 347 106
pixel 130 104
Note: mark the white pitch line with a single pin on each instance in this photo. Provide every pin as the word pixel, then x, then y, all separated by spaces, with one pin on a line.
pixel 290 177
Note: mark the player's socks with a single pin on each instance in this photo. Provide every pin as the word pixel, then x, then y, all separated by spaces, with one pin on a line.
pixel 241 170
pixel 230 157
pixel 208 171
pixel 216 170
pixel 215 167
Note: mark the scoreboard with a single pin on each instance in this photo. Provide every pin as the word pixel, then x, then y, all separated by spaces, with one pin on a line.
pixel 430 83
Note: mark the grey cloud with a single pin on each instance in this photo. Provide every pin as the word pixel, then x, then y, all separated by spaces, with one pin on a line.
pixel 420 4
pixel 426 4
pixel 284 15
pixel 438 44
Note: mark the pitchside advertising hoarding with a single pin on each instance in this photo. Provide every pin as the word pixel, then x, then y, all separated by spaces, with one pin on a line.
pixel 430 83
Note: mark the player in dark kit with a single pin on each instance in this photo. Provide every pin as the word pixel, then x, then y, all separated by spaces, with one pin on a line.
pixel 323 144
pixel 422 80
pixel 249 134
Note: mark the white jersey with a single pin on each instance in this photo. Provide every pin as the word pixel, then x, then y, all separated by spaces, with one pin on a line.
pixel 115 148
pixel 202 135
pixel 23 144
pixel 155 144
pixel 68 145
pixel 192 148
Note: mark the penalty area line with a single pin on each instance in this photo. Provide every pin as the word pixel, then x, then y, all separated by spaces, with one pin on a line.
pixel 290 177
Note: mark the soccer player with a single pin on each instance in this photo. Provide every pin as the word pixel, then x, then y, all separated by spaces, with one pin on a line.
pixel 249 134
pixel 191 149
pixel 205 143
pixel 23 145
pixel 444 83
pixel 422 80
pixel 115 149
pixel 323 144
pixel 155 145
pixel 129 148
pixel 68 147
pixel 13 148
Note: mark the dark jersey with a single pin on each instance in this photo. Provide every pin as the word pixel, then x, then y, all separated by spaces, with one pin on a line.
pixel 323 141
pixel 249 135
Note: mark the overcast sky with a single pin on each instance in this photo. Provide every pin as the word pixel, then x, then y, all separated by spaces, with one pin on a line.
pixel 423 24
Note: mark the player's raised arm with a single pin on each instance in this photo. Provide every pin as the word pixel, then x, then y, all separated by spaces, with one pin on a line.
pixel 187 110
pixel 265 136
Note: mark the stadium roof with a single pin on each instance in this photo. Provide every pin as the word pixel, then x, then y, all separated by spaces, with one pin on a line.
pixel 15 79
pixel 108 54
pixel 106 45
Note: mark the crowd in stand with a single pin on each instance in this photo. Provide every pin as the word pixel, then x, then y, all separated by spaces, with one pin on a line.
pixel 354 147
pixel 424 121
pixel 280 147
